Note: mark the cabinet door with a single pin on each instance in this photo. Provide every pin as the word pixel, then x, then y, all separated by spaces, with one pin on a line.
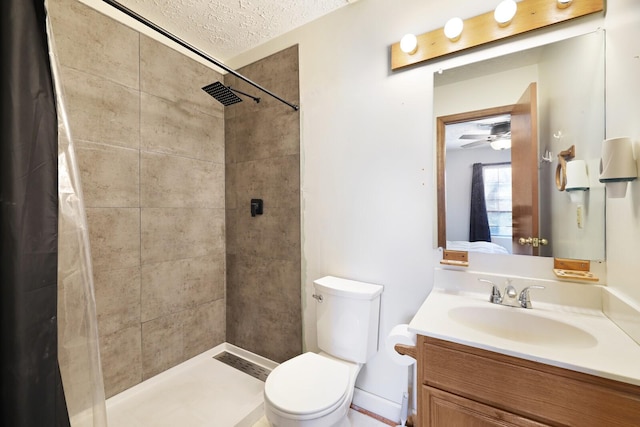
pixel 442 409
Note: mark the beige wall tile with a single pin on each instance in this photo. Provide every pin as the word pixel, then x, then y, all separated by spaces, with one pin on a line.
pixel 263 252
pixel 169 74
pixel 230 222
pixel 173 286
pixel 230 186
pixel 230 132
pixel 101 110
pixel 171 181
pixel 265 133
pixel 278 72
pixel 117 294
pixel 274 286
pixel 114 234
pixel 273 235
pixel 276 180
pixel 204 327
pixel 122 95
pixel 121 358
pixel 174 233
pixel 172 128
pixel 162 344
pixel 109 175
pixel 88 40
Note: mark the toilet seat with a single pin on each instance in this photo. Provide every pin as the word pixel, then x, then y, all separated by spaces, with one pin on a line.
pixel 308 385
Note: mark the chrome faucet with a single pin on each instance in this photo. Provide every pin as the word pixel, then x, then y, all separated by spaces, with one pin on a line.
pixel 510 297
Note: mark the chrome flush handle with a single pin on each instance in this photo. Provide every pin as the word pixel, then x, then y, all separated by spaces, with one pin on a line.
pixel 317 297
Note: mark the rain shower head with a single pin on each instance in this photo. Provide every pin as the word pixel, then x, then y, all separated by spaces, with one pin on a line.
pixel 224 94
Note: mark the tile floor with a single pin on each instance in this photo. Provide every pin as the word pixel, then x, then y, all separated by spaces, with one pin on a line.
pixel 201 392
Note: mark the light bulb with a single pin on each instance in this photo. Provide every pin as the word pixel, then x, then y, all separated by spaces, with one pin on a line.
pixel 453 29
pixel 563 4
pixel 409 44
pixel 505 12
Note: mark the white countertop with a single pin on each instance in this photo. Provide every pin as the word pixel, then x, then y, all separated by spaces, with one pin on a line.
pixel 606 350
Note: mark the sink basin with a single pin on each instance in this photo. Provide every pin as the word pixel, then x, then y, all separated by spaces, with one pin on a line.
pixel 522 325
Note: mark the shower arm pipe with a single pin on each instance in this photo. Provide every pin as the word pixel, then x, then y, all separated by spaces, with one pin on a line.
pixel 243 93
pixel 194 49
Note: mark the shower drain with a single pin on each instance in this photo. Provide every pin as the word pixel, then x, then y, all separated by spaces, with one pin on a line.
pixel 243 365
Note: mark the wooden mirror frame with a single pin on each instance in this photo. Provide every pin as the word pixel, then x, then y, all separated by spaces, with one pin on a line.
pixel 441 154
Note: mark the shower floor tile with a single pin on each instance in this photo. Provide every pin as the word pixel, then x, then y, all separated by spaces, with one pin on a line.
pixel 202 392
pixel 197 393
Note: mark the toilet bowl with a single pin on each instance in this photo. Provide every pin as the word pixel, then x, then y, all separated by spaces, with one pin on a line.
pixel 310 390
pixel 316 389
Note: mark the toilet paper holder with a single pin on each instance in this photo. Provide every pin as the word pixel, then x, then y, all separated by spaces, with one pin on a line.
pixel 406 350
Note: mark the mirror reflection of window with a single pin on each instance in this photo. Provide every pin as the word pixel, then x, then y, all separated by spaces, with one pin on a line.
pixel 497 190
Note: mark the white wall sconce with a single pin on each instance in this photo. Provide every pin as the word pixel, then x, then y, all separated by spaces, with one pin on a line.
pixel 505 11
pixel 563 4
pixel 453 29
pixel 617 166
pixel 409 44
pixel 577 181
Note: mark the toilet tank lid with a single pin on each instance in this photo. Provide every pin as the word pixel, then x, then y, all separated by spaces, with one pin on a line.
pixel 348 288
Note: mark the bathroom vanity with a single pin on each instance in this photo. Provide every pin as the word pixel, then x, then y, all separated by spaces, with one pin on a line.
pixel 466 386
pixel 557 364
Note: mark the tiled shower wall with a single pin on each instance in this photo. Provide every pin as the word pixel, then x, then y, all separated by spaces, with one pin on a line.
pixel 150 146
pixel 263 252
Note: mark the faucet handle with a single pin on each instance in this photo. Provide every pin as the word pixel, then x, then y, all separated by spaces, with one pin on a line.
pixel 524 299
pixel 495 297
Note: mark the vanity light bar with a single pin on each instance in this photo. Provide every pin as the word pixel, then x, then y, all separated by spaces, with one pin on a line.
pixel 483 29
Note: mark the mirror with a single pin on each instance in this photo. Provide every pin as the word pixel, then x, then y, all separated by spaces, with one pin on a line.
pixel 526 119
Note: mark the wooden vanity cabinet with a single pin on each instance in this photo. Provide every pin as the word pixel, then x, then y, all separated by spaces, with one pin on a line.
pixel 469 387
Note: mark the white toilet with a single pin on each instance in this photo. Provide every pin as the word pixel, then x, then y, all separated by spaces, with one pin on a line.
pixel 315 390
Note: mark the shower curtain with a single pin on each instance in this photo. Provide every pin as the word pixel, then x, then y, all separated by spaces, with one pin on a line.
pixel 50 359
pixel 31 385
pixel 478 221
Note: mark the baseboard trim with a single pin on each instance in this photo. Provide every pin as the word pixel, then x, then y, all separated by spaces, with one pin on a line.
pixel 377 407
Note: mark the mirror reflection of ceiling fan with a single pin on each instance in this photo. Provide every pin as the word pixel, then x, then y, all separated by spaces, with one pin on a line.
pixel 499 137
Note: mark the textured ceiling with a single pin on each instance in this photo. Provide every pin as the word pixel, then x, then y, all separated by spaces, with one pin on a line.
pixel 227 28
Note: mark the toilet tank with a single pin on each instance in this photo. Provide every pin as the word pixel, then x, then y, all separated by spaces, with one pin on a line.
pixel 347 317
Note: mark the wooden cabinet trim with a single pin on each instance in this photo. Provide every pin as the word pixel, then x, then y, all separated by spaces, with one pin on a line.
pixel 544 393
pixel 446 409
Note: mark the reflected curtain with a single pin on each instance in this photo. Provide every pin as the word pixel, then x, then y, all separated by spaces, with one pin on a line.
pixel 32 393
pixel 478 221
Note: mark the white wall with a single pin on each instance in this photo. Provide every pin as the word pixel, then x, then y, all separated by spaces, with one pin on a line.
pixel 623 119
pixel 367 155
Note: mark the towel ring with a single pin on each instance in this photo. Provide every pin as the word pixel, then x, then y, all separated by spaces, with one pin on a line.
pixel 561 169
pixel 561 174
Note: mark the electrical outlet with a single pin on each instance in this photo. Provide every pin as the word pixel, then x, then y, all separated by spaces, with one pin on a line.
pixel 579 219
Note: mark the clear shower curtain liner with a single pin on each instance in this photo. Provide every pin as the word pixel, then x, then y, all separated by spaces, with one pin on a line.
pixel 78 347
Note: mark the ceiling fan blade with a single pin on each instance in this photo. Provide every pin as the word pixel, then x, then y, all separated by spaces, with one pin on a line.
pixel 472 136
pixel 474 144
